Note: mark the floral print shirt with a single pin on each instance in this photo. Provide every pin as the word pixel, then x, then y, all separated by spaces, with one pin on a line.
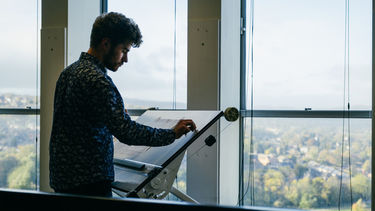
pixel 88 112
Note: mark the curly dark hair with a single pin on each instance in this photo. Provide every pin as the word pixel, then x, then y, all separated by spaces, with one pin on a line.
pixel 117 27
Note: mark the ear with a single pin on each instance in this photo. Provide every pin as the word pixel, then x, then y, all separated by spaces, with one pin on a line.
pixel 106 44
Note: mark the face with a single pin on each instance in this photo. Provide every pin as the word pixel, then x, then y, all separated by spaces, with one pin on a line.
pixel 116 56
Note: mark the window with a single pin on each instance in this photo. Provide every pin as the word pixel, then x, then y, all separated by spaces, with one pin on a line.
pixel 155 75
pixel 19 94
pixel 303 147
pixel 296 163
pixel 19 55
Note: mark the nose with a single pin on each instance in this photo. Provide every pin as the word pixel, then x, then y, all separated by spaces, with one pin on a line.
pixel 125 58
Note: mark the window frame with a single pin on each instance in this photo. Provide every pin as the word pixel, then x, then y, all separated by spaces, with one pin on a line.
pixel 30 110
pixel 307 113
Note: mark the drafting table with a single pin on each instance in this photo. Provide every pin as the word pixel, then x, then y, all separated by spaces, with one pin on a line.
pixel 149 172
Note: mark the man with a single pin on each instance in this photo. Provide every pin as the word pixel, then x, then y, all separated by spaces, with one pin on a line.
pixel 89 110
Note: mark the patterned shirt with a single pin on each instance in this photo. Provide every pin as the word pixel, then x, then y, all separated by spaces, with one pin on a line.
pixel 88 112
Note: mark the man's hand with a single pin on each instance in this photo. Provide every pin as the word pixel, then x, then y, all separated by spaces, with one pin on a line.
pixel 184 126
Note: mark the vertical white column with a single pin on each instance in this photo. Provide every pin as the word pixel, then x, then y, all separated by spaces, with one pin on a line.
pixel 53 60
pixel 203 94
pixel 214 83
pixel 229 97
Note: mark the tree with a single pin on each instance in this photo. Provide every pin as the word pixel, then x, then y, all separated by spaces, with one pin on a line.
pixel 308 201
pixel 312 154
pixel 23 176
pixel 7 164
pixel 273 180
pixel 330 191
pixel 273 185
pixel 317 191
pixel 361 186
pixel 292 193
pixel 359 206
pixel 299 170
pixel 308 198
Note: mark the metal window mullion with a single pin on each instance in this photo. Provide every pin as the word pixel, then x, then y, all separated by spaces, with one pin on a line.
pixel 242 101
pixel 19 111
pixel 307 114
pixel 244 113
pixel 36 111
pixel 103 6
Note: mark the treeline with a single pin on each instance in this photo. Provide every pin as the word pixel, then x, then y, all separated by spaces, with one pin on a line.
pixel 18 167
pixel 282 188
pixel 303 162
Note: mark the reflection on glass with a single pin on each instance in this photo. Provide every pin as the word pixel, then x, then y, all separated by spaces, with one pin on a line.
pixel 296 163
pixel 18 151
pixel 147 80
pixel 298 54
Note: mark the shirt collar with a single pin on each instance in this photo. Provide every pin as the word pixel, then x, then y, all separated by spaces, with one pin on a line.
pixel 93 59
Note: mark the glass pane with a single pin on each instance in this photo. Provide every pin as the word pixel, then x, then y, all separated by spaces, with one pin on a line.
pixel 18 151
pixel 299 54
pixel 19 54
pixel 147 80
pixel 296 163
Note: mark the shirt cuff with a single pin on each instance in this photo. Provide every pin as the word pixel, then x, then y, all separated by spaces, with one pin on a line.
pixel 171 136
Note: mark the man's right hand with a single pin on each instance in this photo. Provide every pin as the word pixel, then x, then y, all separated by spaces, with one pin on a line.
pixel 184 126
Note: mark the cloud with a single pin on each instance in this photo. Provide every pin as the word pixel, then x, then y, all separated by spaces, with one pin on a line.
pixel 150 76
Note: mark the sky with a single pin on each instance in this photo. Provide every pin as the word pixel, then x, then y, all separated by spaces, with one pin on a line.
pixel 149 72
pixel 298 54
pixel 19 41
pixel 298 47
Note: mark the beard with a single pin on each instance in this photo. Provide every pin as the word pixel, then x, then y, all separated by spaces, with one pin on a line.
pixel 110 62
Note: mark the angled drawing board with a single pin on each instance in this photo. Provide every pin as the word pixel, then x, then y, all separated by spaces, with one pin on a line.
pixel 159 157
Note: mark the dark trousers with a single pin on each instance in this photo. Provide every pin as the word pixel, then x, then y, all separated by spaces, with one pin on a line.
pixel 102 188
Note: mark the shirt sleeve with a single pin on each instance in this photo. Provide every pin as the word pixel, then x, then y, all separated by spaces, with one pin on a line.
pixel 110 108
